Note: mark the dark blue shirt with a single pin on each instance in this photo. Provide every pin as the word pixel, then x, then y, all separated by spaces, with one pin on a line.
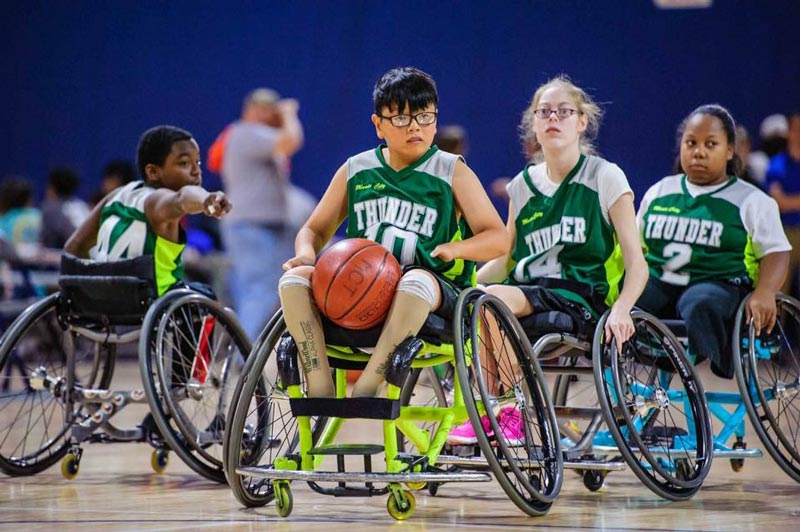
pixel 785 171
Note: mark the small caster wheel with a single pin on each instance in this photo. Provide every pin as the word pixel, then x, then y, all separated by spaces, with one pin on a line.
pixel 159 460
pixel 244 454
pixel 283 498
pixel 433 488
pixel 70 466
pixel 737 464
pixel 404 509
pixel 683 470
pixel 593 480
pixel 416 486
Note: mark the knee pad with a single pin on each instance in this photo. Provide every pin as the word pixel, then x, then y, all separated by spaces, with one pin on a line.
pixel 419 284
pixel 293 280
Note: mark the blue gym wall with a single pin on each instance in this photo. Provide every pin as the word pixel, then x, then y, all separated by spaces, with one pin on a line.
pixel 82 79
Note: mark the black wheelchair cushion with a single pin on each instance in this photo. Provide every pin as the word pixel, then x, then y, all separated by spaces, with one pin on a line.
pixel 106 293
pixel 436 330
pixel 538 324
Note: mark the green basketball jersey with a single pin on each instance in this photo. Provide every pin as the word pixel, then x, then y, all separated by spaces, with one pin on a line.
pixel 702 238
pixel 410 211
pixel 124 233
pixel 565 236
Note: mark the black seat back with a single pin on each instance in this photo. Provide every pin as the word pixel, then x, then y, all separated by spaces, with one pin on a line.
pixel 107 293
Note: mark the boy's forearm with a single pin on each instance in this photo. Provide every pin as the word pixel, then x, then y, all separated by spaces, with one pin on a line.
pixel 307 243
pixel 190 199
pixel 484 246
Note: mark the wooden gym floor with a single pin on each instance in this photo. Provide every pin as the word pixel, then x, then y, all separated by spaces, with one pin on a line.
pixel 117 490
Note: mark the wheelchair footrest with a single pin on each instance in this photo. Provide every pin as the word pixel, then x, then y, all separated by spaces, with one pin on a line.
pixel 333 476
pixel 357 407
pixel 737 453
pixel 479 462
pixel 348 449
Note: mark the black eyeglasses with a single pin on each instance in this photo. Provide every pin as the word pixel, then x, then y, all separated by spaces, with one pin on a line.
pixel 562 112
pixel 425 118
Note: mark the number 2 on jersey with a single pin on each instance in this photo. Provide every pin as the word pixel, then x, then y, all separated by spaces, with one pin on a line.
pixel 679 255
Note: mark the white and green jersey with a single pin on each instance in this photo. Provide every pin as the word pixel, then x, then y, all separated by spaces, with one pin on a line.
pixel 125 233
pixel 565 233
pixel 410 211
pixel 712 233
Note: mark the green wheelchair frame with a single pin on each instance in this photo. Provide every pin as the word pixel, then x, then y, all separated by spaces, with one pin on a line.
pixel 530 475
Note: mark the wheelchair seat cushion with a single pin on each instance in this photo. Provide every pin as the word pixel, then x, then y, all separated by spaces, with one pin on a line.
pixel 435 330
pixel 538 324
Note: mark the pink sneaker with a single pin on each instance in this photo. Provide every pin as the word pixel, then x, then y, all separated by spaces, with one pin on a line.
pixel 511 425
pixel 464 434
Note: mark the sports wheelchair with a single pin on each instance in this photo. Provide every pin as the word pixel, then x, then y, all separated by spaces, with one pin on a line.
pixel 57 361
pixel 642 406
pixel 277 435
pixel 767 373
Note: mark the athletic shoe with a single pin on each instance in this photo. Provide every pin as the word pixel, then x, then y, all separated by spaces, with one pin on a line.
pixel 464 434
pixel 511 426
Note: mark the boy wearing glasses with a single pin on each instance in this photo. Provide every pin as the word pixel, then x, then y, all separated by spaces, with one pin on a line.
pixel 423 204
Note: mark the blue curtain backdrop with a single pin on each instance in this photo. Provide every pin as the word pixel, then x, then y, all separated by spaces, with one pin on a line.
pixel 83 79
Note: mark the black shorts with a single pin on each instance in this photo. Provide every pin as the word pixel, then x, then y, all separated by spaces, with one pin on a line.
pixel 549 300
pixel 450 292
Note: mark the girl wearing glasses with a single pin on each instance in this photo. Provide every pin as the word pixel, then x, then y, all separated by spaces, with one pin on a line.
pixel 566 217
pixel 569 218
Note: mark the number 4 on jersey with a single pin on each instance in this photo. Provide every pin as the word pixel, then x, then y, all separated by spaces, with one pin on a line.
pixel 545 265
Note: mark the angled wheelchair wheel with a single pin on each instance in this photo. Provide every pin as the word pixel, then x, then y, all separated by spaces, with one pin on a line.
pixel 767 368
pixel 576 390
pixel 261 426
pixel 508 402
pixel 654 407
pixel 192 351
pixel 36 374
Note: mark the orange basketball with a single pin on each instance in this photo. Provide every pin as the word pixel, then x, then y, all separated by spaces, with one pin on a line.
pixel 354 282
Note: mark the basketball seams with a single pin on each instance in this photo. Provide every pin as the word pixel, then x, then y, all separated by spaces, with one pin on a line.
pixel 371 283
pixel 343 263
pixel 355 290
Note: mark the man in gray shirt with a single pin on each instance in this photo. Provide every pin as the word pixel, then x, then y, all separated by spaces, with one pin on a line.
pixel 255 174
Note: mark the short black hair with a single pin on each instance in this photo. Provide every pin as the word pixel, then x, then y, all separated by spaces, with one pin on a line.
pixel 404 85
pixel 734 166
pixel 64 180
pixel 155 145
pixel 15 192
pixel 121 168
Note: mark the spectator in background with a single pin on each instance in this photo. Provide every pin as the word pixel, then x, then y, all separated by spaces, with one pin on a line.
pixel 20 221
pixel 252 155
pixel 116 173
pixel 772 135
pixel 533 155
pixel 452 139
pixel 62 210
pixel 742 149
pixel 783 184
